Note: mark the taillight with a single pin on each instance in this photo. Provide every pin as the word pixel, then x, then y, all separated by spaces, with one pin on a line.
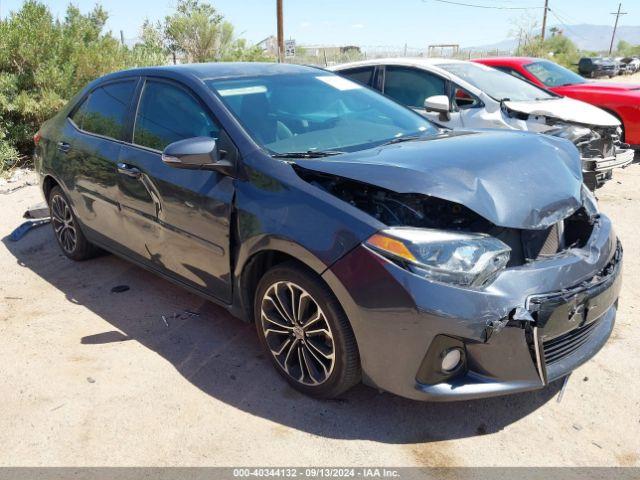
pixel 36 138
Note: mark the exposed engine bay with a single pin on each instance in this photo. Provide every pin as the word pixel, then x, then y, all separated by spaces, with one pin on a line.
pixel 424 211
pixel 601 147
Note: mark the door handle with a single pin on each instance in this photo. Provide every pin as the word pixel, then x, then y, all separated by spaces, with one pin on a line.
pixel 129 170
pixel 64 147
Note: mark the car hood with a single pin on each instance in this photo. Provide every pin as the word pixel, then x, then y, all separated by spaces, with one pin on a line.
pixel 513 179
pixel 566 109
pixel 601 87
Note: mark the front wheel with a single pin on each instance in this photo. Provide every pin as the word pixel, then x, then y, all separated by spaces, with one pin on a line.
pixel 305 332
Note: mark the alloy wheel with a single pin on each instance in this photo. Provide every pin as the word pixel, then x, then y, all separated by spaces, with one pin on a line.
pixel 297 333
pixel 63 224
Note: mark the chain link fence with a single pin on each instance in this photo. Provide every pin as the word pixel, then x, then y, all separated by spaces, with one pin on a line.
pixel 327 56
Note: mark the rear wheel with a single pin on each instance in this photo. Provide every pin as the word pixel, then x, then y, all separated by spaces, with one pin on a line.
pixel 66 229
pixel 305 332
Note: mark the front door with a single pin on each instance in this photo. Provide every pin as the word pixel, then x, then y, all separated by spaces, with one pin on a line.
pixel 175 220
pixel 412 86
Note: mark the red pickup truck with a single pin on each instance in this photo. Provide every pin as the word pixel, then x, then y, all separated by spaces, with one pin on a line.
pixel 619 99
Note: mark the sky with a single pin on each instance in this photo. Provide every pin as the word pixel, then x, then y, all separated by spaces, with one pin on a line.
pixel 416 23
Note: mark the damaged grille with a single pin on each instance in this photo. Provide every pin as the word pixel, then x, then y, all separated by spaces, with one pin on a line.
pixel 604 143
pixel 531 245
pixel 582 307
pixel 558 348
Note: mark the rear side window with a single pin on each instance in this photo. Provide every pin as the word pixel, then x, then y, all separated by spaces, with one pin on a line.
pixel 167 113
pixel 362 75
pixel 411 86
pixel 104 111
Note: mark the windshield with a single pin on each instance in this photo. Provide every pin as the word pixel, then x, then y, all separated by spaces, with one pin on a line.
pixel 553 75
pixel 316 112
pixel 496 84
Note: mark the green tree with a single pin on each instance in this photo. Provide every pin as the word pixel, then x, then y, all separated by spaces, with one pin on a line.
pixel 44 61
pixel 561 50
pixel 626 49
pixel 196 32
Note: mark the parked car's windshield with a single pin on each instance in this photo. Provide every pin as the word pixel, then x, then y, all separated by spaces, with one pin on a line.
pixel 552 74
pixel 496 84
pixel 316 112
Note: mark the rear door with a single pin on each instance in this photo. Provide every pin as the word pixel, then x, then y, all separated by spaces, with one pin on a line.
pixel 96 129
pixel 362 75
pixel 176 221
pixel 412 86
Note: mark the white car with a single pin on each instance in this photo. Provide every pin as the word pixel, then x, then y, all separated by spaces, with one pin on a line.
pixel 459 94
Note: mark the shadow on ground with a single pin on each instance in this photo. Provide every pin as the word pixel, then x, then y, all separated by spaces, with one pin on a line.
pixel 221 356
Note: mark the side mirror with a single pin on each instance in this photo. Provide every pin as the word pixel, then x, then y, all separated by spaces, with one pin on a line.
pixel 439 104
pixel 198 153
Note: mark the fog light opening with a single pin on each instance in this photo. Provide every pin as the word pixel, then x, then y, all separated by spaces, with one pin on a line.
pixel 451 360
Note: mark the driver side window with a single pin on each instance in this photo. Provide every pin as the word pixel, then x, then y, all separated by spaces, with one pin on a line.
pixel 167 113
pixel 411 86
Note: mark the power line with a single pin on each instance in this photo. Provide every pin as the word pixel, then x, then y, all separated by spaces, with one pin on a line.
pixel 566 24
pixel 489 7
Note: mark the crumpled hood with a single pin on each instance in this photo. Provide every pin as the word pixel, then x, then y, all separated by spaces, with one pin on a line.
pixel 513 179
pixel 566 109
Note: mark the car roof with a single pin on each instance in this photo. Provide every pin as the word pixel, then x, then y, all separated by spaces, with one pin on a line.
pixel 214 70
pixel 412 61
pixel 433 65
pixel 508 60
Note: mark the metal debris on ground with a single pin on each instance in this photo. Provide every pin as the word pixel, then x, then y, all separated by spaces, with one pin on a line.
pixel 180 316
pixel 22 230
pixel 20 178
pixel 564 386
pixel 40 210
pixel 120 288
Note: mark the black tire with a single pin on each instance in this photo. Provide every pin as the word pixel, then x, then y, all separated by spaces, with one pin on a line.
pixel 305 348
pixel 66 228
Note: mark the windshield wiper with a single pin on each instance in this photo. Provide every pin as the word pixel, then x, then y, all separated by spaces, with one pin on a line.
pixel 404 138
pixel 308 154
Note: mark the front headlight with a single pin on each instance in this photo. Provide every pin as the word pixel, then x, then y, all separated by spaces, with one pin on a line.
pixel 464 259
pixel 589 201
pixel 572 133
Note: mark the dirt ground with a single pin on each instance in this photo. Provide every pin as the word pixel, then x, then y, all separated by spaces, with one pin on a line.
pixel 635 78
pixel 90 377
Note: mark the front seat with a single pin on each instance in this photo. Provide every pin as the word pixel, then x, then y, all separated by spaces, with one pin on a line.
pixel 256 113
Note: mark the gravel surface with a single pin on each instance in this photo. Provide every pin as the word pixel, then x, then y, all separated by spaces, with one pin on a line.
pixel 154 375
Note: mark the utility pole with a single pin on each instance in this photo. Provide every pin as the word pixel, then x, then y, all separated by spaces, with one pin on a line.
pixel 280 33
pixel 519 41
pixel 544 18
pixel 615 27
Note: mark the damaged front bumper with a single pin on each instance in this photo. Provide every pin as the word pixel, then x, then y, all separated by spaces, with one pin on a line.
pixel 532 325
pixel 596 171
pixel 621 158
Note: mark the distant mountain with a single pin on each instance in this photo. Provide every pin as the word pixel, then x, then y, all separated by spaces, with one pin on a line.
pixel 586 37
